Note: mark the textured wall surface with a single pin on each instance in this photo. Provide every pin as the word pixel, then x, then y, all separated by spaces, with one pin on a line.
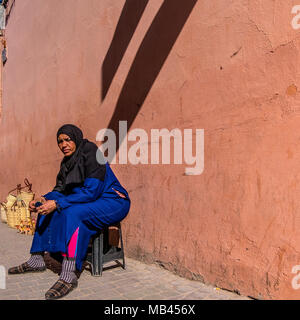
pixel 230 67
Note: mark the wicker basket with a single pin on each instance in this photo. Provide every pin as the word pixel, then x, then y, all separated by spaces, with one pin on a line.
pixel 10 213
pixel 23 222
pixel 12 217
pixel 18 214
pixel 27 197
pixel 24 212
pixel 10 200
pixel 3 210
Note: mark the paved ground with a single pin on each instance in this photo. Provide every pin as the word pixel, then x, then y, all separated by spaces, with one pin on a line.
pixel 138 281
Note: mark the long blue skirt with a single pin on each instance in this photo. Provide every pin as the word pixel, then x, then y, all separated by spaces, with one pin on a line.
pixel 54 231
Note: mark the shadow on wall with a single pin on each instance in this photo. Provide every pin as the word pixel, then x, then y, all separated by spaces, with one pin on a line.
pixel 150 58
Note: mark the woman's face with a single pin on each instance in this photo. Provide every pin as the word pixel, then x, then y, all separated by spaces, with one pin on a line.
pixel 66 145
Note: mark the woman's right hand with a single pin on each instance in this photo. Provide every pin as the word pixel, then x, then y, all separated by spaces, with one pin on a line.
pixel 31 205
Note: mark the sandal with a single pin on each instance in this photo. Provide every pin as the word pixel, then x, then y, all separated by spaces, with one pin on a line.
pixel 25 268
pixel 60 289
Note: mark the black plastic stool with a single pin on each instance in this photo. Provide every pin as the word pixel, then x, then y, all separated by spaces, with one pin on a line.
pixel 103 252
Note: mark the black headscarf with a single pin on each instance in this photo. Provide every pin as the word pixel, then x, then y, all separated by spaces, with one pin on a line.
pixel 81 164
pixel 73 132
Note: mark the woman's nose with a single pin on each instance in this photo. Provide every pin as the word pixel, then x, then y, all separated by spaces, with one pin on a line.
pixel 63 144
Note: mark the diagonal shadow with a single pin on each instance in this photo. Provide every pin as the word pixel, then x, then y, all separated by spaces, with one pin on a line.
pixel 149 60
pixel 129 19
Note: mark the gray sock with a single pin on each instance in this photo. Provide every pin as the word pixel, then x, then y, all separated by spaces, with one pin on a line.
pixel 36 260
pixel 68 270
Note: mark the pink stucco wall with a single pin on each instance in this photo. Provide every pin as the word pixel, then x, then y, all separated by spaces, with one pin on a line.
pixel 233 71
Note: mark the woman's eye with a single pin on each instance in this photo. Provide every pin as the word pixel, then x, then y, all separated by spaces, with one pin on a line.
pixel 61 141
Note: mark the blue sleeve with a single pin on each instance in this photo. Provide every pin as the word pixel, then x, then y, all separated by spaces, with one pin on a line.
pixel 53 195
pixel 90 191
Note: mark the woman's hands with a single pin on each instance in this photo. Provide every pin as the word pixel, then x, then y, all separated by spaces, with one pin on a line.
pixel 32 203
pixel 47 207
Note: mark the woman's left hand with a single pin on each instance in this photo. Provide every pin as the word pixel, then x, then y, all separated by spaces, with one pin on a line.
pixel 47 207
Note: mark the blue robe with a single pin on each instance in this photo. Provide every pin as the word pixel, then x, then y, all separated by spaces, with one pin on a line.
pixel 91 207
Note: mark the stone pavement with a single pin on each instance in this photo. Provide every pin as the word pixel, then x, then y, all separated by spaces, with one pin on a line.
pixel 138 282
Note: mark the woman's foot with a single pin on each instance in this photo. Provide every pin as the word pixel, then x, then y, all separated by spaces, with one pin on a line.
pixel 25 268
pixel 35 263
pixel 60 289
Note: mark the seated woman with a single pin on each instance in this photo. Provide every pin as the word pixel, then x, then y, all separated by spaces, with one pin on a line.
pixel 87 197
